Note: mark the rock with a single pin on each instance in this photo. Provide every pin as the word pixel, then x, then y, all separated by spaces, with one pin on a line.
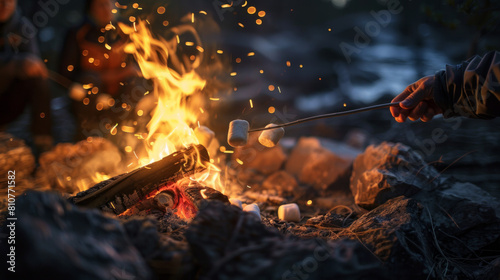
pixel 56 240
pixel 466 218
pixel 228 243
pixel 257 157
pixel 300 153
pixel 168 258
pixel 76 167
pixel 389 170
pixel 315 165
pixel 395 234
pixel 444 234
pixel 281 181
pixel 16 156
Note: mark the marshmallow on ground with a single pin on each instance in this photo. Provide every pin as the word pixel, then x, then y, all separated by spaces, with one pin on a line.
pixel 271 137
pixel 289 212
pixel 236 202
pixel 254 209
pixel 204 135
pixel 238 133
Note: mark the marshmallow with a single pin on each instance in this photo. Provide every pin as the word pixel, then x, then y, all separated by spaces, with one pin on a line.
pixel 289 212
pixel 204 135
pixel 236 202
pixel 254 209
pixel 271 137
pixel 238 133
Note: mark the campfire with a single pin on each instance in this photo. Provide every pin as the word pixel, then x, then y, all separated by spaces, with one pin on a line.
pixel 176 202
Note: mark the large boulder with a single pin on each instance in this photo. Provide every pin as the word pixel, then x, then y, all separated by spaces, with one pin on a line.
pixel 395 234
pixel 168 257
pixel 460 219
pixel 417 239
pixel 56 240
pixel 389 170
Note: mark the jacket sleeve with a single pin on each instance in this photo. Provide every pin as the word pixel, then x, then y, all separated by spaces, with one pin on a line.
pixel 470 89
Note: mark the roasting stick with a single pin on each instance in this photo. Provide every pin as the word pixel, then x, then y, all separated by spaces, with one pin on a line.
pixel 326 116
pixel 271 134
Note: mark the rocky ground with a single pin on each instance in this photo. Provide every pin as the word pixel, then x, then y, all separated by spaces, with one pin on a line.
pixel 378 213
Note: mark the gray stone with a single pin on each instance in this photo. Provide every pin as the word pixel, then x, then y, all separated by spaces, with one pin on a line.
pixel 432 217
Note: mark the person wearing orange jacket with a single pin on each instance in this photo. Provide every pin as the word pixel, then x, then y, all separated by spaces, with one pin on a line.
pixel 94 58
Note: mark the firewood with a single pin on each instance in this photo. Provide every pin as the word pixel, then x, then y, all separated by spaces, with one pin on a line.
pixel 123 191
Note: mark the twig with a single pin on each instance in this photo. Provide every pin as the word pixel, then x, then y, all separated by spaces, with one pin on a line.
pixel 455 161
pixel 448 215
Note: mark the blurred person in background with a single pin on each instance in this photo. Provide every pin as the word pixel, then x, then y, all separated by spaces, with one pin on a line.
pixel 23 76
pixel 93 57
pixel 470 89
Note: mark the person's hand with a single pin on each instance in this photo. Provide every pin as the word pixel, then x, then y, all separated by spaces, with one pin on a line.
pixel 33 67
pixel 417 102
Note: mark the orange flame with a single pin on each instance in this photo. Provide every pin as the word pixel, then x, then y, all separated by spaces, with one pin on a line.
pixel 172 121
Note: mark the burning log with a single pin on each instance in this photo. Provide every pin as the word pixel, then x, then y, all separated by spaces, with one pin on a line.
pixel 120 193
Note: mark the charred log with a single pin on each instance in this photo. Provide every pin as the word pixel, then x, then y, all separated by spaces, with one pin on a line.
pixel 119 193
